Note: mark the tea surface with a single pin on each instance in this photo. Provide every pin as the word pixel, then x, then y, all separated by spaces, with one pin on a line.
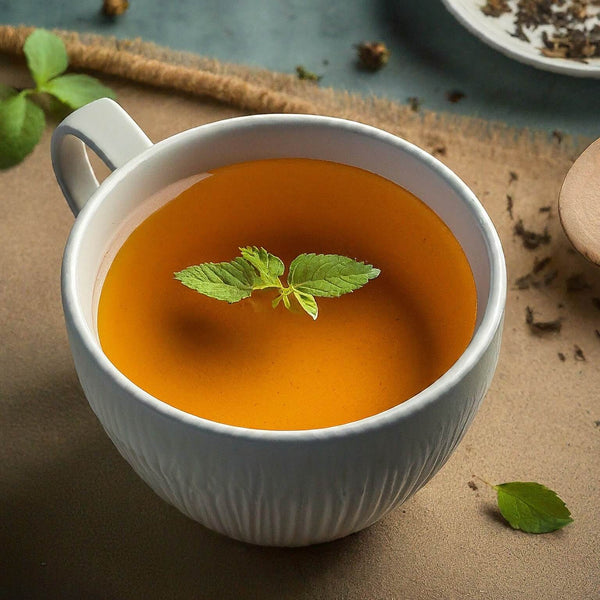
pixel 250 365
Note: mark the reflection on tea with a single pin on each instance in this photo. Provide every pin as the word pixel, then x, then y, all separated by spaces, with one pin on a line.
pixel 248 365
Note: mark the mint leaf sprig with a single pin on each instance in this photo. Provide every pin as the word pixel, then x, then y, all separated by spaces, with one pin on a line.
pixel 309 276
pixel 22 120
pixel 530 506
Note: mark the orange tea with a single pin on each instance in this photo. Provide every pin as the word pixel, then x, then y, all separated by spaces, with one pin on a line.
pixel 249 365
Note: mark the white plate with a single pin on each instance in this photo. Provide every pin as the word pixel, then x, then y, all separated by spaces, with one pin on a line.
pixel 496 32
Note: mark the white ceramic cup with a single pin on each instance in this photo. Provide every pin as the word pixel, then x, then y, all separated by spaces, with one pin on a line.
pixel 283 488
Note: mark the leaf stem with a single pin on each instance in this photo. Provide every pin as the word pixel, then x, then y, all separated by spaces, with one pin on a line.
pixel 494 487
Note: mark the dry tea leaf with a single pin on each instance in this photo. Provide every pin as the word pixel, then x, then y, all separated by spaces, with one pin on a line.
pixel 455 96
pixel 415 103
pixel 578 353
pixel 541 327
pixel 531 239
pixel 372 55
pixel 495 8
pixel 114 8
pixel 306 75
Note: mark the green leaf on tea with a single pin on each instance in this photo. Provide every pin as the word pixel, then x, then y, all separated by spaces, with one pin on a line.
pixel 46 55
pixel 21 127
pixel 229 281
pixel 531 507
pixel 76 90
pixel 282 297
pixel 308 303
pixel 269 266
pixel 328 275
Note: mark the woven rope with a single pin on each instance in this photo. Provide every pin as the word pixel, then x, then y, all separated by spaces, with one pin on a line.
pixel 115 60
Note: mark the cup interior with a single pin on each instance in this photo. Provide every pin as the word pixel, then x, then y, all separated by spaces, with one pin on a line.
pixel 154 177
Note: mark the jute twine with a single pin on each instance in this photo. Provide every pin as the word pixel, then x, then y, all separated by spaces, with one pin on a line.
pixel 116 58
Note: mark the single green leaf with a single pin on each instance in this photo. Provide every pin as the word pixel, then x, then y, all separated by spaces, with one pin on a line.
pixel 7 92
pixel 76 90
pixel 531 507
pixel 21 127
pixel 308 303
pixel 229 281
pixel 46 55
pixel 328 275
pixel 269 267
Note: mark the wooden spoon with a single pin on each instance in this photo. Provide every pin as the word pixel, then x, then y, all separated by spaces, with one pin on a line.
pixel 579 203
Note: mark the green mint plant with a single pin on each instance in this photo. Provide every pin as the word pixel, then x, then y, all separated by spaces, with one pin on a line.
pixel 22 120
pixel 309 276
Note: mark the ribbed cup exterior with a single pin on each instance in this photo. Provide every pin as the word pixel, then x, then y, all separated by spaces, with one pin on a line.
pixel 279 491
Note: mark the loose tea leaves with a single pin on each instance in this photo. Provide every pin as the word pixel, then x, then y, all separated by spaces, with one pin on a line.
pixel 309 276
pixel 571 28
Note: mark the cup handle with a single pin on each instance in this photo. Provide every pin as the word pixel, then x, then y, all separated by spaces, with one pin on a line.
pixel 109 131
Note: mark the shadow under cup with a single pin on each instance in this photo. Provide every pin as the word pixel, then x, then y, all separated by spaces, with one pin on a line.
pixel 284 488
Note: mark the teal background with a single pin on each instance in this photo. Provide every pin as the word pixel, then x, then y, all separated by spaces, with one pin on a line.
pixel 432 53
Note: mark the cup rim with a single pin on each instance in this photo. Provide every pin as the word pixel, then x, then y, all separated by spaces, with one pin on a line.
pixel 490 323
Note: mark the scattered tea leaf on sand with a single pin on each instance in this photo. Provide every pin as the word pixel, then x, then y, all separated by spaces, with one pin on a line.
pixel 550 277
pixel 531 239
pixel 509 206
pixel 540 265
pixel 578 353
pixel 541 327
